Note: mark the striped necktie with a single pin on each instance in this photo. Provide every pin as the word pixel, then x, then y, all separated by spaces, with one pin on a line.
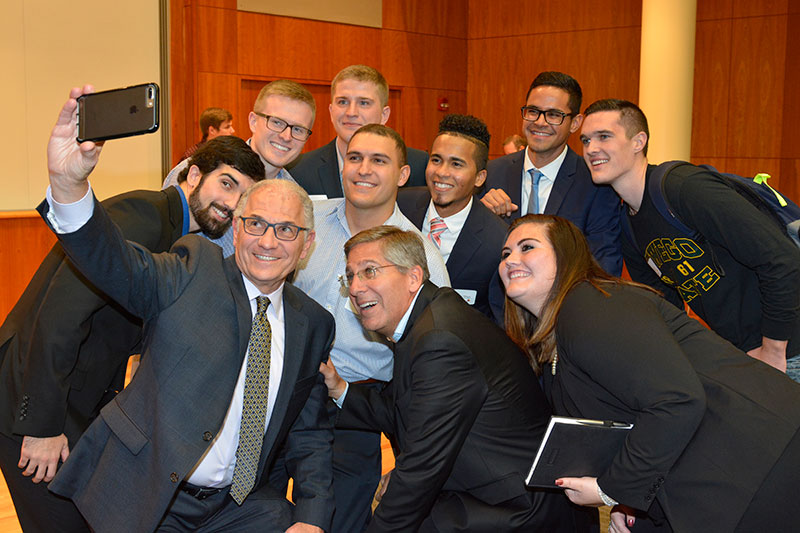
pixel 437 228
pixel 254 407
pixel 533 201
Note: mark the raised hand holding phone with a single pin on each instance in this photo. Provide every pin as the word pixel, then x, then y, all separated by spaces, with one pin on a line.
pixel 69 163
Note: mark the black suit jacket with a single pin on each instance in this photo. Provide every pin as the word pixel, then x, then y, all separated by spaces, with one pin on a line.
pixel 594 209
pixel 710 423
pixel 318 170
pixel 65 344
pixel 125 470
pixel 473 262
pixel 467 415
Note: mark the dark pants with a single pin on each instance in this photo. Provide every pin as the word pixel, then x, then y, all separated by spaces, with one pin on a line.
pixel 218 513
pixel 38 509
pixel 356 473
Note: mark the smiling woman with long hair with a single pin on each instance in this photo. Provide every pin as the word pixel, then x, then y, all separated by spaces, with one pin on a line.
pixel 715 443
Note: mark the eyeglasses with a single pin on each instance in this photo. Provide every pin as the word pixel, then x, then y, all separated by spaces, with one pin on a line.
pixel 278 125
pixel 368 273
pixel 554 117
pixel 284 231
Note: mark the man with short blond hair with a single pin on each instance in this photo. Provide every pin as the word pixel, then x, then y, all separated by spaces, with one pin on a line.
pixel 281 121
pixel 359 96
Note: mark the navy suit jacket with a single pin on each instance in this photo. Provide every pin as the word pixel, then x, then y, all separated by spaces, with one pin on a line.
pixel 127 467
pixel 318 170
pixel 476 254
pixel 594 209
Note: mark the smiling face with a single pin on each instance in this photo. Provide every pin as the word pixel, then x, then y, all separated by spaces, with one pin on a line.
pixel 528 266
pixel 265 260
pixel 607 150
pixel 382 301
pixel 279 149
pixel 213 197
pixel 452 174
pixel 372 173
pixel 354 104
pixel 545 141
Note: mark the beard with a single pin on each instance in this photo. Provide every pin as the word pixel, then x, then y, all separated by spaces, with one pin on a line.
pixel 208 223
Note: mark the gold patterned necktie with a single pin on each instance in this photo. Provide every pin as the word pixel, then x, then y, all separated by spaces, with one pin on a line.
pixel 254 407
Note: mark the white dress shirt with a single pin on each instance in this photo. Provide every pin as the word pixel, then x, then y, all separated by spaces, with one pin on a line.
pixel 549 173
pixel 454 224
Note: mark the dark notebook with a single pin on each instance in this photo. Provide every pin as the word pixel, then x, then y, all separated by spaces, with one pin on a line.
pixel 575 447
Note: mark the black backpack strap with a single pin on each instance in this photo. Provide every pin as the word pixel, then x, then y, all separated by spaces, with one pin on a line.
pixel 659 198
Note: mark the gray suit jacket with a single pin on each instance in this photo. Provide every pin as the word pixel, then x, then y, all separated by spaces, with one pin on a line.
pixel 125 470
pixel 318 170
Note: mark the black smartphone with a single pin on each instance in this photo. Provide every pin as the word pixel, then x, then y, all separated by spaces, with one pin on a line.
pixel 118 113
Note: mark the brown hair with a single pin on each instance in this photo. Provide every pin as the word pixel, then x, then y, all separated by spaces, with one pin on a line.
pixel 385 131
pixel 631 116
pixel 401 248
pixel 213 116
pixel 289 89
pixel 574 264
pixel 363 73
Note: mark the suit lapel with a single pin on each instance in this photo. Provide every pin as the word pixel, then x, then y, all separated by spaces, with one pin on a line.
pixel 328 171
pixel 243 313
pixel 296 327
pixel 564 179
pixel 467 243
pixel 420 208
pixel 515 183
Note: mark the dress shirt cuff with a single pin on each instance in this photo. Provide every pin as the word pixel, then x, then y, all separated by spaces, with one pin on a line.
pixel 66 218
pixel 340 400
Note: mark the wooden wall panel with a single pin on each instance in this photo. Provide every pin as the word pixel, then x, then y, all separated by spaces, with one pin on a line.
pixel 710 106
pixel 714 9
pixel 421 115
pixel 283 47
pixel 790 179
pixel 429 61
pixel 790 132
pixel 496 89
pixel 502 18
pixel 24 241
pixel 181 92
pixel 748 8
pixel 216 42
pixel 435 17
pixel 746 77
pixel 756 96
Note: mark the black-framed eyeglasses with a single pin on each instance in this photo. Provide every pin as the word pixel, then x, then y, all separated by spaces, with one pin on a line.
pixel 554 117
pixel 368 273
pixel 284 231
pixel 278 125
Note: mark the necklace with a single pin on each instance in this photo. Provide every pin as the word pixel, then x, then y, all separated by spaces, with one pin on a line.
pixel 554 363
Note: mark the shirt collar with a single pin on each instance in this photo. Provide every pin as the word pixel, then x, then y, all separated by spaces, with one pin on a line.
pixel 550 170
pixel 454 222
pixel 185 204
pixel 401 326
pixel 275 297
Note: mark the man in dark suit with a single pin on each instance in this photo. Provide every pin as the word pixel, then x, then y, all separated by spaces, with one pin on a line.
pixel 468 235
pixel 359 96
pixel 464 408
pixel 213 424
pixel 549 177
pixel 64 345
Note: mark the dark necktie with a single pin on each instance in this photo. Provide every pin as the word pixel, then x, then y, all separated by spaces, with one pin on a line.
pixel 254 406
